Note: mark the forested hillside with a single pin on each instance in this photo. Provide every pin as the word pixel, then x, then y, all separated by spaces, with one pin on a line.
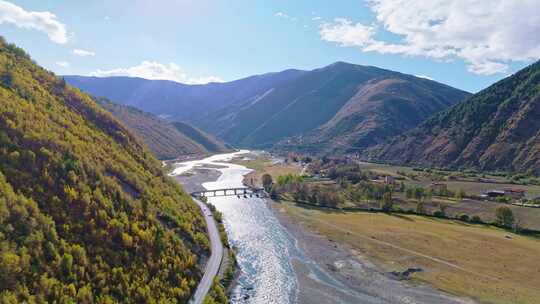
pixel 497 129
pixel 86 214
pixel 165 140
pixel 208 141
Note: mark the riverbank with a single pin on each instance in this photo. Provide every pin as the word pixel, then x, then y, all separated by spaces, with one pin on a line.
pixel 332 272
pixel 192 181
pixel 361 279
pixel 475 261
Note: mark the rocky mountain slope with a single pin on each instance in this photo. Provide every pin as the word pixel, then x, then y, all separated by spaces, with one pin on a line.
pixel 496 129
pixel 341 106
pixel 165 140
pixel 86 214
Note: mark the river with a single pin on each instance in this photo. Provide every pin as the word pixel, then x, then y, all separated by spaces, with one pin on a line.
pixel 264 248
pixel 266 252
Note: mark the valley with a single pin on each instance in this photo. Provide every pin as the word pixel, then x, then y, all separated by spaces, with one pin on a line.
pixel 461 257
pixel 276 261
pixel 206 152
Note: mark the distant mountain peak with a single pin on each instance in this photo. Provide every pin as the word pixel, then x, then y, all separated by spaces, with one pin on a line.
pixel 338 63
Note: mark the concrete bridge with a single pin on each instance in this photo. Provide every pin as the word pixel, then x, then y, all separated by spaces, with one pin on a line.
pixel 241 191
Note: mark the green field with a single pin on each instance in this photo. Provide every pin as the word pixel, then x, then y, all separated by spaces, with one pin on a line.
pixel 263 164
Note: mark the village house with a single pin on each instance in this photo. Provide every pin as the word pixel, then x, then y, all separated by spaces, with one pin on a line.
pixel 490 194
pixel 438 187
pixel 512 193
pixel 515 193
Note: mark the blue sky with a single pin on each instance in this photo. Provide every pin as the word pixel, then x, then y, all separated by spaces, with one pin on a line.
pixel 201 40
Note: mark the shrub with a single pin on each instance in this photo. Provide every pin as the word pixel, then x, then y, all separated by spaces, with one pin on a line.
pixel 502 199
pixel 476 219
pixel 439 213
pixel 464 217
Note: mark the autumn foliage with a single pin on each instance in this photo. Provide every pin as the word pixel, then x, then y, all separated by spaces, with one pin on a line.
pixel 86 214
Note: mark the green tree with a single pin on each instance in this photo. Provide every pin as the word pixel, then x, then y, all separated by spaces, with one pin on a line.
pixel 274 194
pixel 267 181
pixel 460 194
pixel 420 208
pixel 442 208
pixel 418 193
pixel 409 193
pixel 387 203
pixel 504 216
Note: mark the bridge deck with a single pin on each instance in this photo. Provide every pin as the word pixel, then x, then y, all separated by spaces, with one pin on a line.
pixel 229 192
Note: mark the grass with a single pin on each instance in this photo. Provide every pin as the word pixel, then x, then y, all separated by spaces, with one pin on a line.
pixel 483 263
pixel 264 165
pixel 257 164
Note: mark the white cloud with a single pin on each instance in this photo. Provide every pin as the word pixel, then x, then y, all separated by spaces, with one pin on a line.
pixel 63 64
pixel 346 33
pixel 487 35
pixel 83 53
pixel 42 21
pixel 317 18
pixel 424 76
pixel 285 16
pixel 157 71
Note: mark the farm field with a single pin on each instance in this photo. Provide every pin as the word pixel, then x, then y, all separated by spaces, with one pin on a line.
pixel 485 263
pixel 469 185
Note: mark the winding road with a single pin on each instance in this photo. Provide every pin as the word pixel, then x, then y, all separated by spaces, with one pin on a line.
pixel 212 266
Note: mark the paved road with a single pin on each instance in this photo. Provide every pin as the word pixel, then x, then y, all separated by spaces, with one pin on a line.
pixel 212 266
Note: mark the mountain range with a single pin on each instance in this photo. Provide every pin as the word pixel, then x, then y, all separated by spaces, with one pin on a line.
pixel 176 101
pixel 344 108
pixel 497 129
pixel 340 107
